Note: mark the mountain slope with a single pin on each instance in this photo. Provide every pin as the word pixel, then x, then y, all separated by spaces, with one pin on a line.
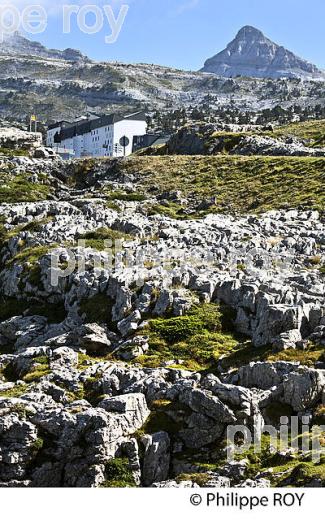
pixel 16 44
pixel 252 54
pixel 51 84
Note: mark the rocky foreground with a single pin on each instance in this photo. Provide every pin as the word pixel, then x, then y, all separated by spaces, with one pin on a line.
pixel 126 356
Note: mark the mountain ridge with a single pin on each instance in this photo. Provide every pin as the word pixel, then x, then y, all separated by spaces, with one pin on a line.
pixel 65 84
pixel 16 44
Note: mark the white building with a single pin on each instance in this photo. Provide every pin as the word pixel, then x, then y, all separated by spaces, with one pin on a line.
pixel 106 136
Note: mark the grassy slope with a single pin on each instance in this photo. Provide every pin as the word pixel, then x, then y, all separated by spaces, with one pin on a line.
pixel 311 131
pixel 20 189
pixel 13 153
pixel 242 184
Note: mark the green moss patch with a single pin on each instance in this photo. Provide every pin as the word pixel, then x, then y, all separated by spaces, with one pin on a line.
pixel 198 339
pixel 170 209
pixel 201 479
pixel 29 255
pixel 14 392
pixel 295 470
pixel 96 239
pixel 39 369
pixel 165 416
pixel 244 353
pixel 304 473
pixel 118 474
pixel 227 140
pixel 19 189
pixel 12 152
pixel 308 357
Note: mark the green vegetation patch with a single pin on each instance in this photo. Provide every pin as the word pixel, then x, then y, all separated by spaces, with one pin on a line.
pixel 201 479
pixel 238 184
pixel 39 369
pixel 308 357
pixel 198 339
pixel 311 132
pixel 30 255
pixel 14 392
pixel 29 259
pixel 19 189
pixel 304 473
pixel 169 209
pixel 10 152
pixel 205 336
pixel 96 239
pixel 165 416
pixel 294 470
pixel 113 206
pixel 227 140
pixel 33 227
pixel 118 474
pixel 245 353
pixel 80 171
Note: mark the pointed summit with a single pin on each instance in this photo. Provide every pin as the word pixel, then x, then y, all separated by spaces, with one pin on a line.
pixel 249 31
pixel 252 54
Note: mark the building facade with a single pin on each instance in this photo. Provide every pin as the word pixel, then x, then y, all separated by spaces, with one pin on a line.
pixel 105 136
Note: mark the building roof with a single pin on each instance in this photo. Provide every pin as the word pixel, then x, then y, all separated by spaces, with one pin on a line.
pixel 162 140
pixel 137 116
pixel 58 125
pixel 86 126
pixel 144 141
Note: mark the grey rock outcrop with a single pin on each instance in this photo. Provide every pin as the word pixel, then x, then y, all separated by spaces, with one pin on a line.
pixel 16 139
pixel 303 388
pixel 16 44
pixel 76 387
pixel 156 458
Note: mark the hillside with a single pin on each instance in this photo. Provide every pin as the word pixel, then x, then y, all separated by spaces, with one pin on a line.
pixel 57 87
pixel 310 132
pixel 232 182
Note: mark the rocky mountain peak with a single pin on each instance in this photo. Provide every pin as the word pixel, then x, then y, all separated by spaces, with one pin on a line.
pixel 248 31
pixel 252 54
pixel 16 44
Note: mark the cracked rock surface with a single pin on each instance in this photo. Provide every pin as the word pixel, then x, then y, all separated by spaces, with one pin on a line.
pixel 82 404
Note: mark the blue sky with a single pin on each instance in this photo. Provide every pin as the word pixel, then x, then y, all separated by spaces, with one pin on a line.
pixel 183 33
